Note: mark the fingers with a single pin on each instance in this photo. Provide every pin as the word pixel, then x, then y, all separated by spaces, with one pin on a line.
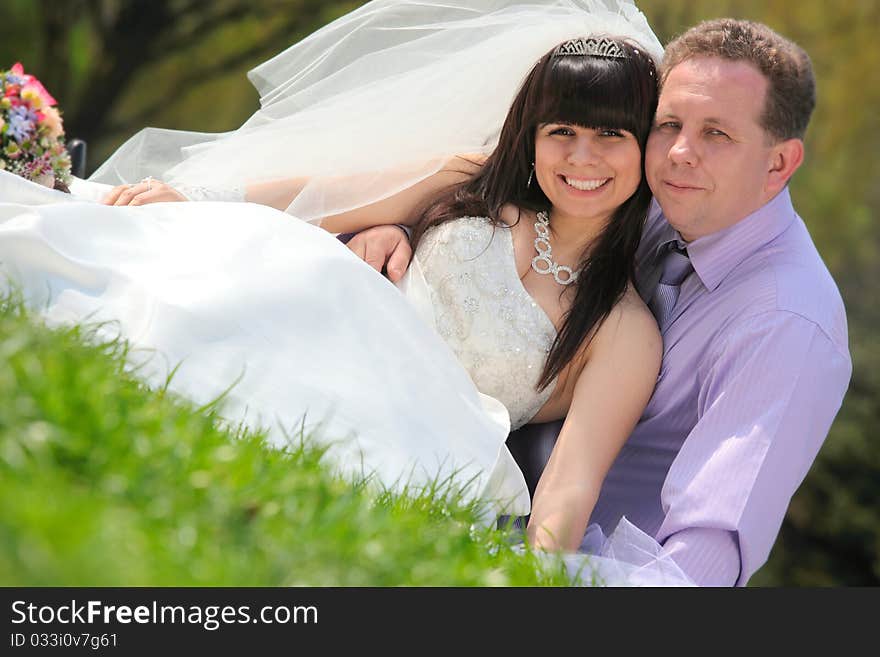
pixel 376 252
pixel 398 261
pixel 124 194
pixel 146 191
pixel 359 246
pixel 114 194
pixel 130 195
pixel 383 247
pixel 377 245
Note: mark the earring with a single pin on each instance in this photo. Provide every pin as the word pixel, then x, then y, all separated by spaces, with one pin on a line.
pixel 531 175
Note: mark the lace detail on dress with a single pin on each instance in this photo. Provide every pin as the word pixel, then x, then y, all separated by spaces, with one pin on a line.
pixel 481 309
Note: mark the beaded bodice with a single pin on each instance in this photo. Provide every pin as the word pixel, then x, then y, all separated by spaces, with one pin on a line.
pixel 483 312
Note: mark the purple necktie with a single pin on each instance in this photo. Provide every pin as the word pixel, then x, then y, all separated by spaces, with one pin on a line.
pixel 676 267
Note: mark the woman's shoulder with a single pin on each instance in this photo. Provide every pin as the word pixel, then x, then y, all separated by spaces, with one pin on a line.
pixel 631 328
pixel 632 307
pixel 624 354
pixel 513 215
pixel 462 238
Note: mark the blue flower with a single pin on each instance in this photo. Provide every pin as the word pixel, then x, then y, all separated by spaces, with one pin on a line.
pixel 21 123
pixel 12 78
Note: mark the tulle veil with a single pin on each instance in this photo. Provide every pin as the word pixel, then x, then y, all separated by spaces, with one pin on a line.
pixel 378 99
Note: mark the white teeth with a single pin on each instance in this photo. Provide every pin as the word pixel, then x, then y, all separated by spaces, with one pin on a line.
pixel 586 185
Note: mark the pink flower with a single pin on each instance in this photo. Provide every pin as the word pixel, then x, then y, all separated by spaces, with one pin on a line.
pixel 35 84
pixel 32 96
pixel 32 83
pixel 52 121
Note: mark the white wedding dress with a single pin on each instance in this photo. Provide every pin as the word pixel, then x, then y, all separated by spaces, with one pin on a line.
pixel 276 313
pixel 297 331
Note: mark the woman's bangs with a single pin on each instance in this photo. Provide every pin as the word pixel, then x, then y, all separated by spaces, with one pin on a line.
pixel 590 93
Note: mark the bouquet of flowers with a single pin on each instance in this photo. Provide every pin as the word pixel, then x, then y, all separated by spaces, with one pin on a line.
pixel 31 131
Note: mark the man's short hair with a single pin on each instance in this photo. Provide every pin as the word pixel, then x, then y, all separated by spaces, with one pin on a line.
pixel 791 93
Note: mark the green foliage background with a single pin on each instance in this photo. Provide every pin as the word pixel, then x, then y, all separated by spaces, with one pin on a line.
pixel 119 65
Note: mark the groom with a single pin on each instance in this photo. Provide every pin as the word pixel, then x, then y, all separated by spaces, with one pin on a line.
pixel 755 360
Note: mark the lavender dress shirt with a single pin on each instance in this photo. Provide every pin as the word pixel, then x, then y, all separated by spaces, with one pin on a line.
pixel 755 367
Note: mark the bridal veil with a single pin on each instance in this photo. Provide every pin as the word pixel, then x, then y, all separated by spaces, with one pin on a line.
pixel 378 99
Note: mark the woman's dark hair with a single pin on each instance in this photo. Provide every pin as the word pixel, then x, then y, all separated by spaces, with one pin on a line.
pixel 583 90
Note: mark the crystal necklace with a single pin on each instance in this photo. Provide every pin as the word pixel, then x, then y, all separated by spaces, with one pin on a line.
pixel 543 262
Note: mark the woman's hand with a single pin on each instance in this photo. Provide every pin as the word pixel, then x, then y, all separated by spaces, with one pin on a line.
pixel 148 190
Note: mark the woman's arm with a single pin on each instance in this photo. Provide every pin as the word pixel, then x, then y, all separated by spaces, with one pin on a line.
pixel 404 206
pixel 278 193
pixel 609 396
pixel 399 208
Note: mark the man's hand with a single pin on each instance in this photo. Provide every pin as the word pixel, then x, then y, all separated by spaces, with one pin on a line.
pixel 146 191
pixel 384 247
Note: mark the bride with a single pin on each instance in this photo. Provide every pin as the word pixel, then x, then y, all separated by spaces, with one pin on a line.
pixel 493 330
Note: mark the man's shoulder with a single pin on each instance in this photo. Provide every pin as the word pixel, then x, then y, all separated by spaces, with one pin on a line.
pixel 788 276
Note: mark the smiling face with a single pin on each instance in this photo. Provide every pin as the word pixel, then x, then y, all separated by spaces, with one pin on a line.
pixel 586 173
pixel 709 162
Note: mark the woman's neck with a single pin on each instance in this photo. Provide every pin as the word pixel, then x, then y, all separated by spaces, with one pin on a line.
pixel 572 235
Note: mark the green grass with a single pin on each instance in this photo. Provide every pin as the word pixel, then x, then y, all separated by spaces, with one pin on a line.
pixel 104 482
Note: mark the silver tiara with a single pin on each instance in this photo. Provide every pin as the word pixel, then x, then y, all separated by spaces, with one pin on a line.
pixel 591 46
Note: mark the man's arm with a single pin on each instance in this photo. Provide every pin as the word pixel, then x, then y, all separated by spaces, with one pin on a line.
pixel 765 408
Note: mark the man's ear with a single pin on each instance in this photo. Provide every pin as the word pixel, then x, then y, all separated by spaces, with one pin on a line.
pixel 785 158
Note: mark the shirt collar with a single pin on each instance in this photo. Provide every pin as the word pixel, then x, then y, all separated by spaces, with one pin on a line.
pixel 714 256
